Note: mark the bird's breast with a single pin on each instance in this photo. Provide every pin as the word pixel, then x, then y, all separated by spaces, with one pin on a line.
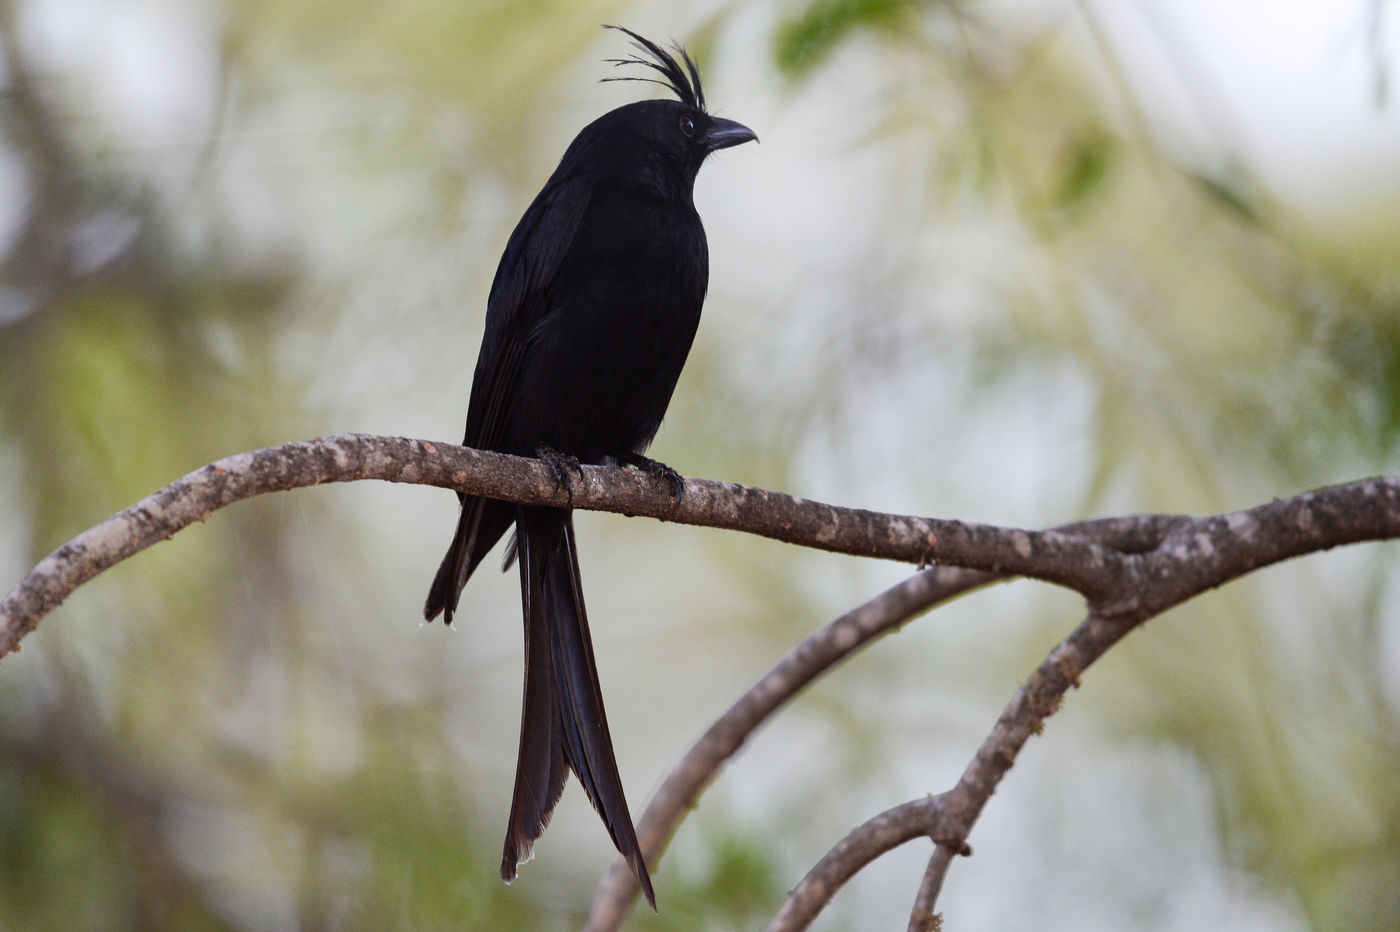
pixel 624 307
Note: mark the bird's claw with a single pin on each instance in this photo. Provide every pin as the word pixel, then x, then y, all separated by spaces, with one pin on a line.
pixel 560 465
pixel 675 483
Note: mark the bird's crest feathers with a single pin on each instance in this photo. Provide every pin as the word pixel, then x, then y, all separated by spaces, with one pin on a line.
pixel 684 82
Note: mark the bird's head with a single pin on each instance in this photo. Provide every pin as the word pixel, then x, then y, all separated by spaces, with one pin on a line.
pixel 667 138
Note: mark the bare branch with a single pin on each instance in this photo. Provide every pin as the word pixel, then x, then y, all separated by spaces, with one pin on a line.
pixel 1129 569
pixel 1047 555
pixel 923 918
pixel 1175 558
pixel 948 818
pixel 837 641
pixel 1194 556
pixel 885 832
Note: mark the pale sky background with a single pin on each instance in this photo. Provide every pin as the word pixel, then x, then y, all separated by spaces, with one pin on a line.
pixel 1290 88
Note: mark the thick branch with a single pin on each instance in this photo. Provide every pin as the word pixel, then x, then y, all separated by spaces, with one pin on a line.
pixel 1046 555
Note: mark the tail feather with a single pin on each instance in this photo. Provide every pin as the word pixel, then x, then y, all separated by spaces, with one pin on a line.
pixel 563 712
pixel 480 524
pixel 540 769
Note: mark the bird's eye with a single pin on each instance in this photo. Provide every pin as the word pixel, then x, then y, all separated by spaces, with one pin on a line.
pixel 687 125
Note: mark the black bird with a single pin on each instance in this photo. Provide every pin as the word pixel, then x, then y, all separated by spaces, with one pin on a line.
pixel 590 318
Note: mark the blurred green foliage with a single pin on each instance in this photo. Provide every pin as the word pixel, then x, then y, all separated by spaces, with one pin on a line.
pixel 805 39
pixel 1000 294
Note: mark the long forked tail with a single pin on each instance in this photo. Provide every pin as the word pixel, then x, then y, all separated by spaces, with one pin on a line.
pixel 563 721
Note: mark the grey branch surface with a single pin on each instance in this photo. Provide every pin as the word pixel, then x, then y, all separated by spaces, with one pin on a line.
pixel 1128 569
pixel 1048 555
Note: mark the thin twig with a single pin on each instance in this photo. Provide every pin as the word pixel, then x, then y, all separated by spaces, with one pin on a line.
pixel 884 833
pixel 923 917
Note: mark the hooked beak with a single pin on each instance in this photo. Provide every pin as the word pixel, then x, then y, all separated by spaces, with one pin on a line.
pixel 725 133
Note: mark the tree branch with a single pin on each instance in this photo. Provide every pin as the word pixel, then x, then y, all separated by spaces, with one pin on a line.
pixel 1047 555
pixel 1194 556
pixel 823 649
pixel 1129 569
pixel 922 917
pixel 1166 547
pixel 885 832
pixel 837 641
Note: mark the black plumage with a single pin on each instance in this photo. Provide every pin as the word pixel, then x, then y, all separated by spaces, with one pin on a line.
pixel 591 315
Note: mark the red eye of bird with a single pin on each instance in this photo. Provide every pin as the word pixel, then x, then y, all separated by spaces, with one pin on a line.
pixel 687 125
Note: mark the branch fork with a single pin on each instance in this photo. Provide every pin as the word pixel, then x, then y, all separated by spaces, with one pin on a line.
pixel 1128 569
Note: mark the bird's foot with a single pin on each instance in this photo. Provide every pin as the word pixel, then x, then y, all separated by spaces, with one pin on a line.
pixel 560 465
pixel 675 483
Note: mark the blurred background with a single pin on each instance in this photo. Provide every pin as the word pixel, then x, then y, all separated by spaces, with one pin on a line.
pixel 1017 262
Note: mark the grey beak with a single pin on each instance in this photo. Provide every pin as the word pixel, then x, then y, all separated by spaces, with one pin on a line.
pixel 725 133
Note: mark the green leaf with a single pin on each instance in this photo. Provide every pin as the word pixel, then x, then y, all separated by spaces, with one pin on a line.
pixel 804 41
